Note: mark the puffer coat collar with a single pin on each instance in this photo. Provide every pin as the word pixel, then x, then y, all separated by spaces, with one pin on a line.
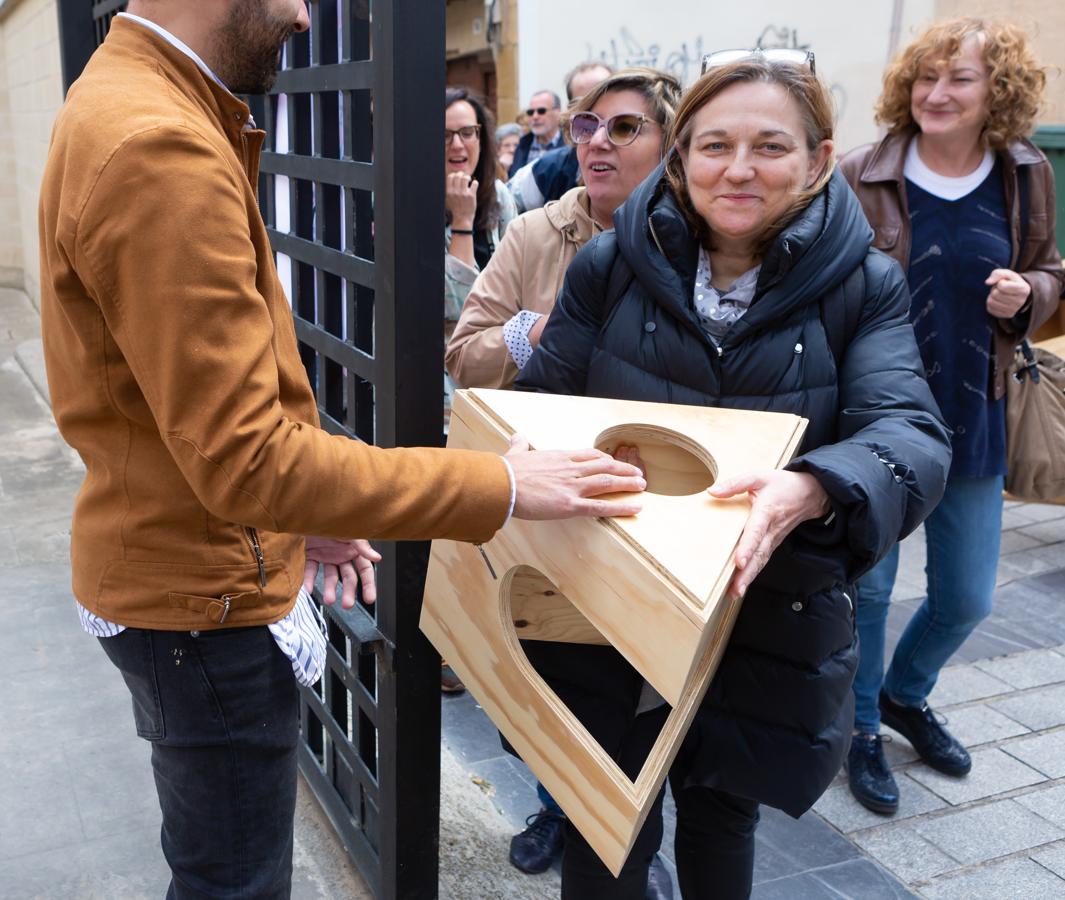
pixel 816 251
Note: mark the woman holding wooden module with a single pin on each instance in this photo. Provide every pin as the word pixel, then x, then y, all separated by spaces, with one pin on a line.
pixel 740 274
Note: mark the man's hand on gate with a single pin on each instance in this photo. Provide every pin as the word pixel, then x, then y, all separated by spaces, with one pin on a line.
pixel 560 484
pixel 346 561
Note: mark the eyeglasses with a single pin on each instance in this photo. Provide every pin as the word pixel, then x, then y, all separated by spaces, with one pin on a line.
pixel 787 55
pixel 539 110
pixel 621 130
pixel 468 133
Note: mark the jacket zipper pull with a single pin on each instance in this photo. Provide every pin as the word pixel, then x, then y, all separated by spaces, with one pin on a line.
pixel 258 550
pixel 487 562
pixel 225 608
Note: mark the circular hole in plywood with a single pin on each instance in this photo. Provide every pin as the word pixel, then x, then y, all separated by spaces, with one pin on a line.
pixel 674 464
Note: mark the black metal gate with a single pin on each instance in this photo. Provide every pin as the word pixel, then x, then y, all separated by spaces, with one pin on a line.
pixel 350 190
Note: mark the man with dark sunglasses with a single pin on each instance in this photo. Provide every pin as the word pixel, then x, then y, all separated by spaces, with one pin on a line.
pixel 544 114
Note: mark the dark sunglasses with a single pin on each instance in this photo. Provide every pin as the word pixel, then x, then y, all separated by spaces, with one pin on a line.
pixel 539 111
pixel 621 130
pixel 787 55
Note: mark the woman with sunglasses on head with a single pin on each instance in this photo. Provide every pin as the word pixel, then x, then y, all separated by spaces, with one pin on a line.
pixel 741 274
pixel 965 203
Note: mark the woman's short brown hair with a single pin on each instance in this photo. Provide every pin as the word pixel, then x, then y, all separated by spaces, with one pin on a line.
pixel 815 109
pixel 1017 79
pixel 660 90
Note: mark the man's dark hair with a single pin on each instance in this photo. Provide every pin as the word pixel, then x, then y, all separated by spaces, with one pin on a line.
pixel 487 204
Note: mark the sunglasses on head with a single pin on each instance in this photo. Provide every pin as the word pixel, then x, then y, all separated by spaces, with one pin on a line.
pixel 539 110
pixel 786 55
pixel 621 130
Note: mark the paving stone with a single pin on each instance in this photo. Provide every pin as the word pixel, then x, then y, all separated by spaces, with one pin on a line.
pixel 468 731
pixel 1045 752
pixel 1034 560
pixel 862 878
pixel 1015 517
pixel 1048 803
pixel 986 832
pixel 1043 512
pixel 961 684
pixel 1033 668
pixel 1047 532
pixel 808 840
pixel 1051 583
pixel 993 772
pixel 803 885
pixel 1039 709
pixel 979 724
pixel 1018 539
pixel 902 850
pixel 1052 859
pixel 838 806
pixel 997 638
pixel 1014 879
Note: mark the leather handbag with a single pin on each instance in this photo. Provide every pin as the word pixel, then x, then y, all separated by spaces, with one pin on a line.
pixel 1035 425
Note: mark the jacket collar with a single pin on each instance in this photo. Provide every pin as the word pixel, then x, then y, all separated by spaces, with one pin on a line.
pixel 887 160
pixel 229 112
pixel 571 215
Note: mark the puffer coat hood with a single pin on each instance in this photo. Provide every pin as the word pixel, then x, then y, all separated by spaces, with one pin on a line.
pixel 826 337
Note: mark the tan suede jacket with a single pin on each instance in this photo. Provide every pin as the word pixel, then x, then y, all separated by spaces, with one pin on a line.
pixel 875 172
pixel 174 372
pixel 525 272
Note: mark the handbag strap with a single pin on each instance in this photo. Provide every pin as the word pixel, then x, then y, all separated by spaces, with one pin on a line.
pixel 1030 367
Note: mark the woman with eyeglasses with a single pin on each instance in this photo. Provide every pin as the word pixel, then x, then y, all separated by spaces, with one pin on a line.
pixel 479 206
pixel 965 203
pixel 741 274
pixel 619 129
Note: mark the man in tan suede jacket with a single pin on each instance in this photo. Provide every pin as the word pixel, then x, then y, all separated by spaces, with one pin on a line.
pixel 174 372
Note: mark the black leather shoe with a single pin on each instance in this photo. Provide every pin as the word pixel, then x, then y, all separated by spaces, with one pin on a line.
pixel 933 743
pixel 659 884
pixel 536 847
pixel 869 776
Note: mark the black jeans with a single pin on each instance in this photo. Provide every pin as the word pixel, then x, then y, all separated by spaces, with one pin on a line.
pixel 220 710
pixel 715 830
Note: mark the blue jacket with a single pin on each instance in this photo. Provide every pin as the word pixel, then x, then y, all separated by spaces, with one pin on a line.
pixel 777 718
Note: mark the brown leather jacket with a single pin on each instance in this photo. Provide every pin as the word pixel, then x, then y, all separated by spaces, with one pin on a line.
pixel 174 371
pixel 875 173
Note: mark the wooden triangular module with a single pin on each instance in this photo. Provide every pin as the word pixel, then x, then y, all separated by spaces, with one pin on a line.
pixel 652 585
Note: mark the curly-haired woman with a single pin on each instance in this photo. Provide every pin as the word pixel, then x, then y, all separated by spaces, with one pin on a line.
pixel 966 204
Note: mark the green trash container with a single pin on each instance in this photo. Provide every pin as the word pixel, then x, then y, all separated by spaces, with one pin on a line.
pixel 1051 140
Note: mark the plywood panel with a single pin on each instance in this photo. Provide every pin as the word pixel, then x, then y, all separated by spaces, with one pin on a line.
pixel 652 586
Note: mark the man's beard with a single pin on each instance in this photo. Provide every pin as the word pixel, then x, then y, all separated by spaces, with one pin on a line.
pixel 249 48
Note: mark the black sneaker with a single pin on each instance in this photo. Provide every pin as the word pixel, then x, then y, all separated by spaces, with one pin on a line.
pixel 536 847
pixel 933 743
pixel 869 776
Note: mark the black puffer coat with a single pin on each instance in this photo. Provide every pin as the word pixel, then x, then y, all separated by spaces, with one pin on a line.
pixel 778 715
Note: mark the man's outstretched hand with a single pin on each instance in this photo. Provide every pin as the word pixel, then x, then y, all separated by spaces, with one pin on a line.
pixel 347 561
pixel 560 484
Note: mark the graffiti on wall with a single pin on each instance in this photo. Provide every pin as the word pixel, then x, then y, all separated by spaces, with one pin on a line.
pixel 684 61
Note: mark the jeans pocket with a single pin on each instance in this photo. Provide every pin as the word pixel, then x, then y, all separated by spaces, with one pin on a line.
pixel 133 654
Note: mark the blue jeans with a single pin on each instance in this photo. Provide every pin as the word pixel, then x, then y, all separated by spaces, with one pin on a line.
pixel 962 538
pixel 220 710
